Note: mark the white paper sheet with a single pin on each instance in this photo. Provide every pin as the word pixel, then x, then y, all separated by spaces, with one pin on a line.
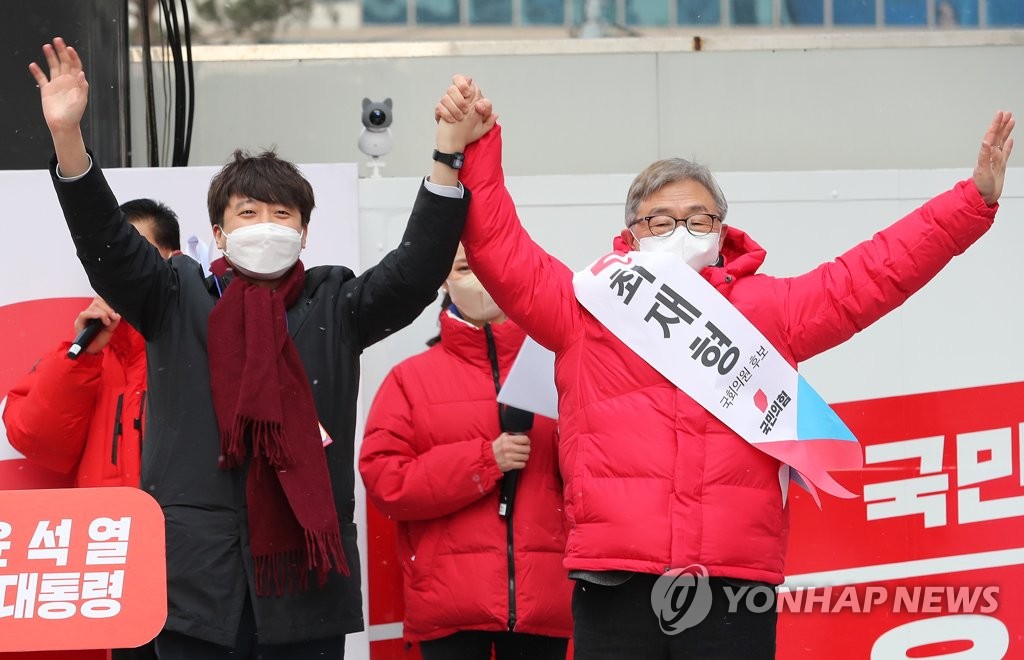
pixel 530 384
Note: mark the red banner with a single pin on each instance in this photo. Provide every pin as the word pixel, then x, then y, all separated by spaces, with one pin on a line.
pixel 80 569
pixel 936 531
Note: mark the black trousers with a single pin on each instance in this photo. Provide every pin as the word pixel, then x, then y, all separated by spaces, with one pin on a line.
pixel 145 652
pixel 477 645
pixel 176 646
pixel 618 622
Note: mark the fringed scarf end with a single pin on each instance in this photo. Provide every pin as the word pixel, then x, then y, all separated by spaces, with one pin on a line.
pixel 289 571
pixel 232 445
pixel 324 549
pixel 268 441
pixel 280 572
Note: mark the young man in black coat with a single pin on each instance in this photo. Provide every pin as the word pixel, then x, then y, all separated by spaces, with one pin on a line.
pixel 245 367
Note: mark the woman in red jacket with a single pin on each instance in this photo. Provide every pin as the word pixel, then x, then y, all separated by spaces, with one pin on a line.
pixel 433 459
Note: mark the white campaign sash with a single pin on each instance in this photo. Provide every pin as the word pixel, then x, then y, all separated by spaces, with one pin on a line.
pixel 682 326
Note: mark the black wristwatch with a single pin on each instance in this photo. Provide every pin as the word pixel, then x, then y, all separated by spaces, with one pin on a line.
pixel 453 161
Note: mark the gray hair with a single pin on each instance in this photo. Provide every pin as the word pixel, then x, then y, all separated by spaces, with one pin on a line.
pixel 670 170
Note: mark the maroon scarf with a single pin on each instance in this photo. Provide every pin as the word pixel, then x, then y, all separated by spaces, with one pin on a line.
pixel 264 404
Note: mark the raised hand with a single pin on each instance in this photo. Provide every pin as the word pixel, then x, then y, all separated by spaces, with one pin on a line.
pixel 458 99
pixel 65 93
pixel 992 157
pixel 465 110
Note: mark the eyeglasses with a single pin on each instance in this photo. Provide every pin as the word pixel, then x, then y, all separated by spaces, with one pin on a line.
pixel 698 224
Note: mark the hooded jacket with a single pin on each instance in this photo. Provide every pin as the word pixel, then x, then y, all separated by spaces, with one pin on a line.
pixel 428 463
pixel 652 480
pixel 337 315
pixel 84 417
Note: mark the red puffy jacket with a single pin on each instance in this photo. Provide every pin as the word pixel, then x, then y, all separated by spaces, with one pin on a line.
pixel 84 416
pixel 652 480
pixel 428 463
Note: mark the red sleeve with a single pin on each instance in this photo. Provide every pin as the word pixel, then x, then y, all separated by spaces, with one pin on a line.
pixel 48 413
pixel 407 485
pixel 533 288
pixel 828 305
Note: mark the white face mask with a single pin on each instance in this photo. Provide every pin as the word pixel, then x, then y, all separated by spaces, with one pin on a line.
pixel 263 251
pixel 472 299
pixel 698 252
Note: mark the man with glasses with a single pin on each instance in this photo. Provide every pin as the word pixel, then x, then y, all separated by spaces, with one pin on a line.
pixel 659 477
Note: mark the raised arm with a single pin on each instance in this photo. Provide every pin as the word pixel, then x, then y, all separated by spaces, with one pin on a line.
pixel 390 295
pixel 531 287
pixel 409 483
pixel 828 305
pixel 64 95
pixel 122 266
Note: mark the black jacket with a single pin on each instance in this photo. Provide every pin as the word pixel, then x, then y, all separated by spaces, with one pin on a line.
pixel 209 566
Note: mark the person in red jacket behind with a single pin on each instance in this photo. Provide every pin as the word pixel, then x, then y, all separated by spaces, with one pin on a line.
pixel 655 482
pixel 85 416
pixel 434 457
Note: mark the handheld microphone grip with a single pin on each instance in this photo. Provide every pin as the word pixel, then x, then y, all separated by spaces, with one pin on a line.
pixel 92 328
pixel 513 420
pixel 508 493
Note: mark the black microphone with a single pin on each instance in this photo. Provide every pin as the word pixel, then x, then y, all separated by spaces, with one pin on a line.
pixel 513 420
pixel 84 338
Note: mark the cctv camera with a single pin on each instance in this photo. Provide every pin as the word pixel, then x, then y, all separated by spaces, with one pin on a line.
pixel 376 114
pixel 375 139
